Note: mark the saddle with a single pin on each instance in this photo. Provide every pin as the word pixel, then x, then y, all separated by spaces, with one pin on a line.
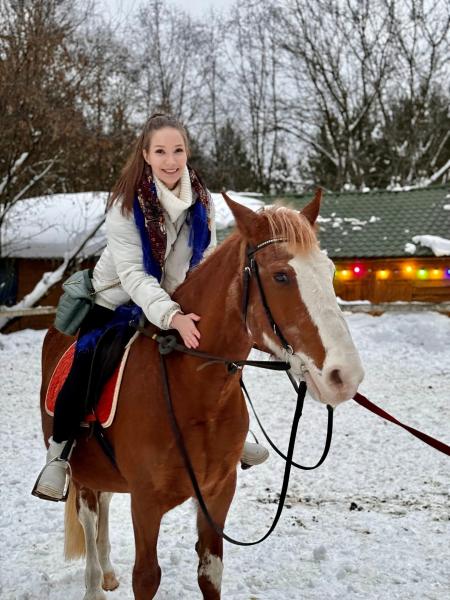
pixel 105 387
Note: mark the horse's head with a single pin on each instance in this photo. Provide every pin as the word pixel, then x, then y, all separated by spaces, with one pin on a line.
pixel 296 279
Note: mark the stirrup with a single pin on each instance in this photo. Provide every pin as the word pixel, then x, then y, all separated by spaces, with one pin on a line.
pixel 65 494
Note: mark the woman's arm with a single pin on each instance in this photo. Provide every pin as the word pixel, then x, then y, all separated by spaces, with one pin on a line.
pixel 144 289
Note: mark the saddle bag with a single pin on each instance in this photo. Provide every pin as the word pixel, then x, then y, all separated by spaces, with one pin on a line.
pixel 76 301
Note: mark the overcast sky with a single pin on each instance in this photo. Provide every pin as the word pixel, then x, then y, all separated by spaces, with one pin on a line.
pixel 194 7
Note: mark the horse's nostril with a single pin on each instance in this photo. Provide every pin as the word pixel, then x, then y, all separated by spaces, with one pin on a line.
pixel 335 377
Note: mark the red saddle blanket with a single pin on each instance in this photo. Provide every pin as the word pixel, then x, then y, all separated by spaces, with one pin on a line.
pixel 106 408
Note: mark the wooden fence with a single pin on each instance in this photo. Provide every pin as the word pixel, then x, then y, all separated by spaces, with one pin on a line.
pixel 11 313
pixel 355 307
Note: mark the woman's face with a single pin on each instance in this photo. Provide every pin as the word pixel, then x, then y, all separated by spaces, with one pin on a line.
pixel 167 155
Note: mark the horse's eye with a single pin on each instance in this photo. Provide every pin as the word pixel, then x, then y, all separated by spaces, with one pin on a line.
pixel 281 277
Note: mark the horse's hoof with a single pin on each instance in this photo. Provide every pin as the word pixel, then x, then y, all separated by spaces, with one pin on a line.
pixel 110 582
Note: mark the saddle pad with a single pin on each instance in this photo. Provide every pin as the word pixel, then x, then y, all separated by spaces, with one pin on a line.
pixel 106 408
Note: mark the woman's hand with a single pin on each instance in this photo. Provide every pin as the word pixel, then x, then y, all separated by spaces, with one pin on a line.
pixel 185 325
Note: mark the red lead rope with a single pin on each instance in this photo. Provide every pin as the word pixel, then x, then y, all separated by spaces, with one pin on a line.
pixel 363 401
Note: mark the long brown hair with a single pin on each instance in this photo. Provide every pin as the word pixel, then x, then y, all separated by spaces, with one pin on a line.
pixel 125 187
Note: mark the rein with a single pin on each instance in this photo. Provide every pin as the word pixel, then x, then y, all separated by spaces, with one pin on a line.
pixel 189 468
pixel 436 444
pixel 272 445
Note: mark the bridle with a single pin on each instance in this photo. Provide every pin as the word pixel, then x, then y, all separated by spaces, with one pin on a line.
pixel 251 268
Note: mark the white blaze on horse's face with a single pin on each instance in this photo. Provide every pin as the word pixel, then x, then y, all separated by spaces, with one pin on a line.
pixel 341 373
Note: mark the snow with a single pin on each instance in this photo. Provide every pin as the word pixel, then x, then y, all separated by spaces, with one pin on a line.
pixel 446 206
pixel 52 226
pixel 353 222
pixel 439 246
pixel 410 248
pixel 372 522
pixel 224 217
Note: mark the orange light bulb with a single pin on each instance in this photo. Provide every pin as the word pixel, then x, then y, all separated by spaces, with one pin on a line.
pixel 383 274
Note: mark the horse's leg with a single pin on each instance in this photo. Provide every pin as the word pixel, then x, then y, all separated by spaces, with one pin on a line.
pixel 88 516
pixel 110 581
pixel 210 545
pixel 146 522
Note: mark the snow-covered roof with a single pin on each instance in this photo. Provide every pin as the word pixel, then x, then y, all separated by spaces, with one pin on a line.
pixel 51 226
pixel 383 224
pixel 440 246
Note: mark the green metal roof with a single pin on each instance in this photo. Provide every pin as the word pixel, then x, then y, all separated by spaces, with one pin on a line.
pixel 379 224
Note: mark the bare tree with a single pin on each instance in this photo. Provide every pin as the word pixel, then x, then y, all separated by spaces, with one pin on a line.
pixel 415 104
pixel 108 106
pixel 340 56
pixel 166 48
pixel 366 88
pixel 41 81
pixel 255 71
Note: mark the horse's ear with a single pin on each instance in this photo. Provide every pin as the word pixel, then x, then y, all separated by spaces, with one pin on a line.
pixel 311 210
pixel 245 217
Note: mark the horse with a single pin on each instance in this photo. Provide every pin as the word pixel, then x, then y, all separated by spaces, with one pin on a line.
pixel 209 405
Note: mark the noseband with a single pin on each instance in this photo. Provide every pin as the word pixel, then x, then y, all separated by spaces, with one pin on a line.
pixel 251 268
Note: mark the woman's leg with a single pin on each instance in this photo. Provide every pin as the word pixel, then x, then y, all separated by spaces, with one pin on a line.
pixel 70 404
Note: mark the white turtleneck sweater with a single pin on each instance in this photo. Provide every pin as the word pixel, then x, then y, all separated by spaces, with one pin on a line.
pixel 122 259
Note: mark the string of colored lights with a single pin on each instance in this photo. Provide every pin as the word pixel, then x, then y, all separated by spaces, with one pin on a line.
pixel 407 271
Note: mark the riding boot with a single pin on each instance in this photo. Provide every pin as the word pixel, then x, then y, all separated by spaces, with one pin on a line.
pixel 53 481
pixel 253 454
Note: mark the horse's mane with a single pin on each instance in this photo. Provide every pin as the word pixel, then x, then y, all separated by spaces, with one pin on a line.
pixel 277 221
pixel 291 225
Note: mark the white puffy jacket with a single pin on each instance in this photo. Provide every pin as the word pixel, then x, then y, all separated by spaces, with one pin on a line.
pixel 122 260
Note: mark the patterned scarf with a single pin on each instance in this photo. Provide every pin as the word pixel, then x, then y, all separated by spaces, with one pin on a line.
pixel 149 218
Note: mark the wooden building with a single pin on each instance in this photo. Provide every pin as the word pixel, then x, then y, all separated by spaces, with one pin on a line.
pixel 39 233
pixel 370 238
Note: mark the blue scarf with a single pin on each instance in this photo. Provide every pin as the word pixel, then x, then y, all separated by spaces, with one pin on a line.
pixel 150 221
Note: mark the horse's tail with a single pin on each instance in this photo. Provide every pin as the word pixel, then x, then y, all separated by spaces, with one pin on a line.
pixel 74 544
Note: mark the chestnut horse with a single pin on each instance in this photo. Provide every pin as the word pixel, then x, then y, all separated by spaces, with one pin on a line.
pixel 209 405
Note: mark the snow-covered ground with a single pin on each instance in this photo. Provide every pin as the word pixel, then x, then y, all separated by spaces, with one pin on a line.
pixel 372 523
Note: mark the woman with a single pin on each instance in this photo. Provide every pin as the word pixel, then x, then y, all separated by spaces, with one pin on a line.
pixel 160 223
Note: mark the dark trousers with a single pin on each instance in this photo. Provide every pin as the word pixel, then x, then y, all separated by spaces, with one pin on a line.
pixel 71 404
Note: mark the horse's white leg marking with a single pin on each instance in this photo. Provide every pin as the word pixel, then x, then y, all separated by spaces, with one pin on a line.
pixel 211 568
pixel 110 581
pixel 93 572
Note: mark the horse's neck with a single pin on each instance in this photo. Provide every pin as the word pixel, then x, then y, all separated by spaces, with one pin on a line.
pixel 214 291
